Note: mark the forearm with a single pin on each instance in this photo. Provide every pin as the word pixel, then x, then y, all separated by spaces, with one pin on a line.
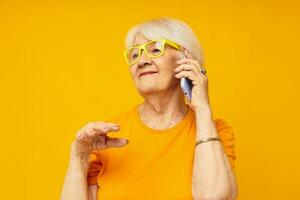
pixel 213 177
pixel 75 186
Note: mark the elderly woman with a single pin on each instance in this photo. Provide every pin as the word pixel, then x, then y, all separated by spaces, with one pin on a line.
pixel 168 147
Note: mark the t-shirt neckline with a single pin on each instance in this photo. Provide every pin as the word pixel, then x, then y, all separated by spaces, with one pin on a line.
pixel 177 126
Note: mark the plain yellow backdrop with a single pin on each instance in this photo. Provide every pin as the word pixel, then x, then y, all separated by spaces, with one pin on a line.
pixel 62 66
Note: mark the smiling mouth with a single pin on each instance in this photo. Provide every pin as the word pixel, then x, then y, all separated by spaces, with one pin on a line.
pixel 147 73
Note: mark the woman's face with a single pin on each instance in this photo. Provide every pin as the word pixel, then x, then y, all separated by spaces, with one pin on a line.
pixel 161 70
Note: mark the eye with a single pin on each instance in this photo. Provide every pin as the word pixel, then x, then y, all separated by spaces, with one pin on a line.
pixel 155 50
pixel 134 55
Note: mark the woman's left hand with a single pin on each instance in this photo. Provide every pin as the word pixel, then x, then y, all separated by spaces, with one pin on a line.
pixel 191 69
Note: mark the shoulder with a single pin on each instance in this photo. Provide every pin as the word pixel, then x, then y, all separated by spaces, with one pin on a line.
pixel 224 129
pixel 222 124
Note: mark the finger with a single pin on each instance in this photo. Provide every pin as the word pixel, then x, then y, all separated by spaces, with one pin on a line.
pixel 99 142
pixel 103 128
pixel 189 61
pixel 110 123
pixel 194 63
pixel 116 142
pixel 104 142
pixel 188 54
pixel 186 67
pixel 82 134
pixel 203 71
pixel 190 68
pixel 188 74
pixel 88 132
pixel 196 79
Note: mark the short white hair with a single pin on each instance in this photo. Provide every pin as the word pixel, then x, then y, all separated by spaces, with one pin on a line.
pixel 171 29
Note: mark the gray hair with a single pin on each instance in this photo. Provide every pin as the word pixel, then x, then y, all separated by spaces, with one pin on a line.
pixel 171 29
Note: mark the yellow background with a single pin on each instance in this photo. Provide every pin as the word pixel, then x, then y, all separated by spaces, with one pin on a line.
pixel 62 66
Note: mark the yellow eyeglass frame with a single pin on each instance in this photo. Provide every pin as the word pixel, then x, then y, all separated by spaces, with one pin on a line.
pixel 142 47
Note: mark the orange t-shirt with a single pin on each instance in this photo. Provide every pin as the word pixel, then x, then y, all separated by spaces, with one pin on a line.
pixel 155 164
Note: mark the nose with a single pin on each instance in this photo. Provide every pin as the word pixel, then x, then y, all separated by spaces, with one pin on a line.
pixel 144 60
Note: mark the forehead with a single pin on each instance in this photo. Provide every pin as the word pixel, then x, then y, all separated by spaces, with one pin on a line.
pixel 140 39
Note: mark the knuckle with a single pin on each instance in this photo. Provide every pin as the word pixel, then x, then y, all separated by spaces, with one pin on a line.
pixel 105 128
pixel 89 131
pixel 79 135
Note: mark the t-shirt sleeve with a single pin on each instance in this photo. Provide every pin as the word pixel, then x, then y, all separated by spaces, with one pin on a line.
pixel 95 167
pixel 228 140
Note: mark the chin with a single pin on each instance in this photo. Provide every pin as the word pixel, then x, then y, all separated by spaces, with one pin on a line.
pixel 149 88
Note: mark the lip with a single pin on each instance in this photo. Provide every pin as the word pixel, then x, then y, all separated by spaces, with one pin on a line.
pixel 147 73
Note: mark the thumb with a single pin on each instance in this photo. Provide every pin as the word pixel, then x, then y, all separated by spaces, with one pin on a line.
pixel 116 142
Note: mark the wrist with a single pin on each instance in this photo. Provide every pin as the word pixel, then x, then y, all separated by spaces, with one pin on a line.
pixel 202 136
pixel 203 112
pixel 75 155
pixel 217 138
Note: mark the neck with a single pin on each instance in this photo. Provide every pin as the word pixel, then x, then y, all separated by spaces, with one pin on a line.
pixel 164 109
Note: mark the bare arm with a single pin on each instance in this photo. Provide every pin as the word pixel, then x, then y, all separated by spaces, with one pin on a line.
pixel 90 137
pixel 75 186
pixel 213 178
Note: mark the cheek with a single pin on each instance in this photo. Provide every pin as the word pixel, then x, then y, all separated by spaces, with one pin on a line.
pixel 132 72
pixel 167 64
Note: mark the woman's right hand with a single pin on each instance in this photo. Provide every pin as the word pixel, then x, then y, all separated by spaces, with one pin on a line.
pixel 93 136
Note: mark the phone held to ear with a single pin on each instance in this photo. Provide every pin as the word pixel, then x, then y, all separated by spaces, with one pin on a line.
pixel 186 84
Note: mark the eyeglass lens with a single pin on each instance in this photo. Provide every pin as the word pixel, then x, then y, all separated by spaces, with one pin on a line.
pixel 154 48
